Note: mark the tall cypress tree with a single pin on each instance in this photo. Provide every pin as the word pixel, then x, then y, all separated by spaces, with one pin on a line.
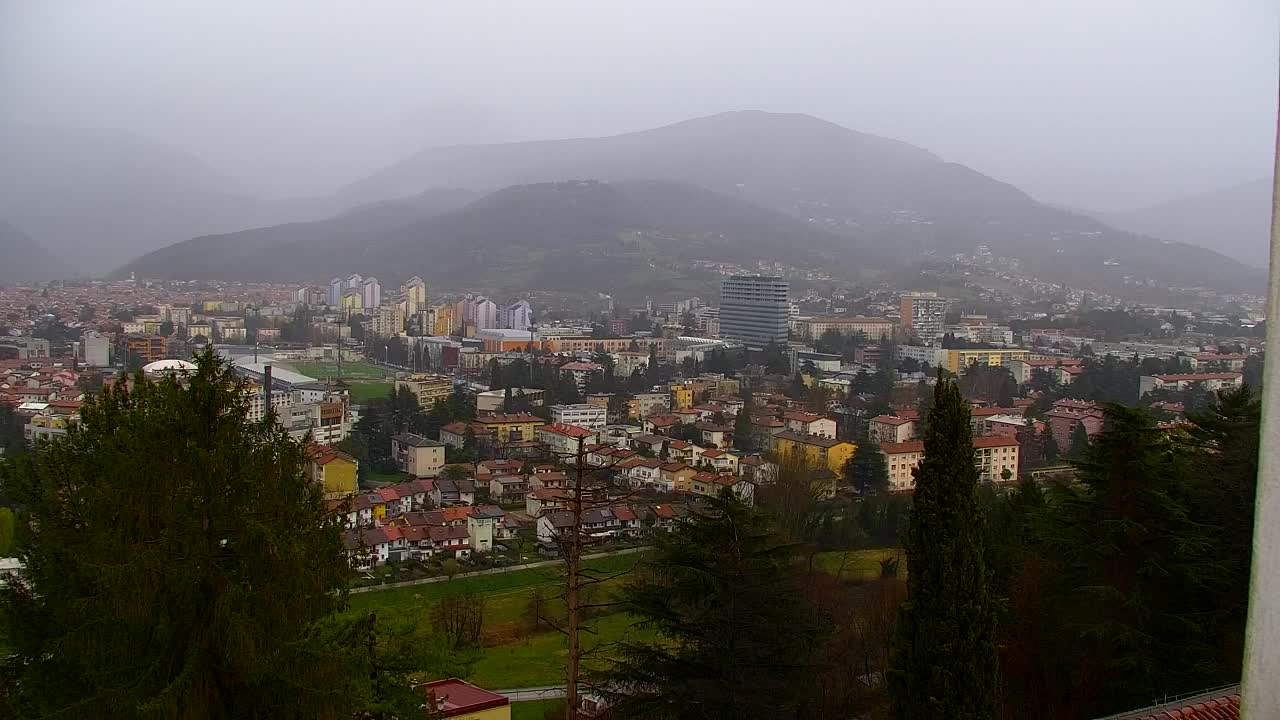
pixel 944 656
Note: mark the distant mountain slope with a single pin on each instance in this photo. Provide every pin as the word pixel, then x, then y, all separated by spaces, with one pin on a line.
pixel 1235 221
pixel 100 197
pixel 579 234
pixel 882 193
pixel 23 259
pixel 275 252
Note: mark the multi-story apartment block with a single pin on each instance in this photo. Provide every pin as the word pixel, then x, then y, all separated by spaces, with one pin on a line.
pixel 995 456
pixel 371 292
pixel 754 310
pixel 870 328
pixel 417 455
pixel 427 388
pixel 956 360
pixel 923 314
pixel 586 415
pixel 148 348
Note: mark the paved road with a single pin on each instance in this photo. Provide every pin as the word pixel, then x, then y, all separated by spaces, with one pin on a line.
pixel 544 692
pixel 491 571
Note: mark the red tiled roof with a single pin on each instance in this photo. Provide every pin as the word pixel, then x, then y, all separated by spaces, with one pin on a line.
pixel 891 420
pixel 990 441
pixel 902 447
pixel 572 431
pixel 1226 707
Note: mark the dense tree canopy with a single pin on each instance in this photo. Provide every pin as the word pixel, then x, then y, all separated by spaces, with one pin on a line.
pixel 176 556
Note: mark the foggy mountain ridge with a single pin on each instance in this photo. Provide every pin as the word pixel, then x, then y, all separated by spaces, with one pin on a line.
pixel 272 252
pixel 1235 221
pixel 99 197
pixel 629 234
pixel 882 192
pixel 25 259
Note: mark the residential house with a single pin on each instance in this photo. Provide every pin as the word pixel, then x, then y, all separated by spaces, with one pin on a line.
pixel 718 460
pixel 890 429
pixel 993 455
pixel 543 500
pixel 756 470
pixel 581 372
pixel 333 470
pixel 453 492
pixel 643 472
pixel 818 451
pixel 511 428
pixel 649 444
pixel 1233 362
pixel 676 475
pixel 681 451
pixel 566 440
pixel 681 396
pixel 809 423
pixel 460 700
pixel 417 455
pixel 1066 414
pixel 997 455
pixel 508 488
pixel 455 434
pixel 713 435
pixel 646 404
pixel 1212 382
pixel 659 424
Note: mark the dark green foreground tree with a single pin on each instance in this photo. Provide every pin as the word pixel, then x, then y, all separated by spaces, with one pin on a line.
pixel 179 565
pixel 944 660
pixel 736 636
pixel 866 470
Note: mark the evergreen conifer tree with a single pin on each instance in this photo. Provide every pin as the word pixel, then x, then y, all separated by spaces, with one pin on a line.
pixel 1079 441
pixel 177 561
pixel 944 661
pixel 736 637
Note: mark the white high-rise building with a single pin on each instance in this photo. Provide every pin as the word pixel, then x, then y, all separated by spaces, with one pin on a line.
pixel 371 292
pixel 516 316
pixel 924 314
pixel 415 295
pixel 486 314
pixel 753 310
pixel 97 349
pixel 336 287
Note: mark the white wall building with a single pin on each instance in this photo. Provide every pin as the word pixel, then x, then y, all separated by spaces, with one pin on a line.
pixel 591 417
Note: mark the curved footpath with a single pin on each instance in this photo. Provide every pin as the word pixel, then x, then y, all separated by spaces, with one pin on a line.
pixel 490 571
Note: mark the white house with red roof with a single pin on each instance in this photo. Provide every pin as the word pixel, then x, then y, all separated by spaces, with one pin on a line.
pixel 564 440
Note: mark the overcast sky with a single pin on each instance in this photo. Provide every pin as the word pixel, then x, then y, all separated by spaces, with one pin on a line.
pixel 1104 104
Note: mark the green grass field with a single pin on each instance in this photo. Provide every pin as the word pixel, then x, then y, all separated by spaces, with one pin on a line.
pixel 534 709
pixel 859 565
pixel 540 659
pixel 363 392
pixel 503 591
pixel 350 370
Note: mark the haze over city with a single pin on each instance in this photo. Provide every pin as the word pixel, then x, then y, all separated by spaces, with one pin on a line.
pixel 666 360
pixel 1098 105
